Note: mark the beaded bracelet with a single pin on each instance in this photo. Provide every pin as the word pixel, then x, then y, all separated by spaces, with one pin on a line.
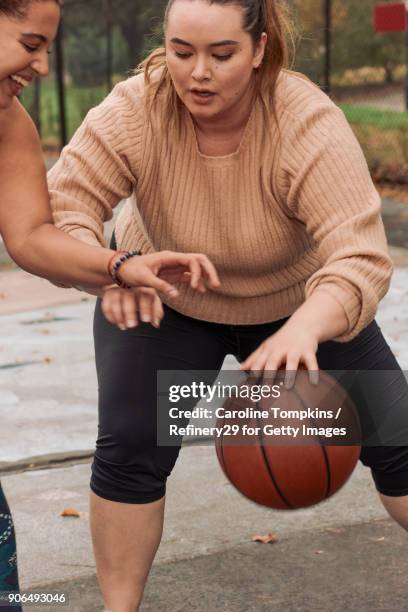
pixel 114 256
pixel 124 256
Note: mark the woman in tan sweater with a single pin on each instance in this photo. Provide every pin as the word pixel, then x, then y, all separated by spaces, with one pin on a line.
pixel 221 149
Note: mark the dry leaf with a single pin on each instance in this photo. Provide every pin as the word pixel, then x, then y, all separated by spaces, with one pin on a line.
pixel 71 512
pixel 2 296
pixel 318 552
pixel 269 538
pixel 46 360
pixel 334 529
pixel 379 539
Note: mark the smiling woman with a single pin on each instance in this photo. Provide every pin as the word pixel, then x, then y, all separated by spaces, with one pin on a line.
pixel 27 30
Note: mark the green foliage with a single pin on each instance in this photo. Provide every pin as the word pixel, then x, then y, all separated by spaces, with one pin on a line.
pixel 78 102
pixel 354 42
pixel 86 55
pixel 86 24
pixel 383 119
pixel 358 54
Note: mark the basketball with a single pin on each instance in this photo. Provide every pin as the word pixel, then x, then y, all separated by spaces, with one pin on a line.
pixel 268 463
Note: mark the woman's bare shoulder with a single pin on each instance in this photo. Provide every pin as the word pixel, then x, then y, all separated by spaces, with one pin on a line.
pixel 17 130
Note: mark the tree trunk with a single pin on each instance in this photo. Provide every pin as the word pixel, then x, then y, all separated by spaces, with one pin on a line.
pixel 389 72
pixel 134 40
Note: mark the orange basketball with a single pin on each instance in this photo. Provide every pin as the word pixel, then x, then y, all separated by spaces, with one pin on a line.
pixel 287 471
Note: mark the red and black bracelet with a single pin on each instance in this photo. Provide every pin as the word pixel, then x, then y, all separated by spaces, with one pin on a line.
pixel 114 270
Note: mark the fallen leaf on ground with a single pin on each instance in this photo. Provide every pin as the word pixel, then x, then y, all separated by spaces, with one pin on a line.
pixel 334 529
pixel 2 296
pixel 71 512
pixel 47 360
pixel 318 552
pixel 379 539
pixel 269 538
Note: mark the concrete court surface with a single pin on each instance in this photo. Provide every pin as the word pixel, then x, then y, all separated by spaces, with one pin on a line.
pixel 345 552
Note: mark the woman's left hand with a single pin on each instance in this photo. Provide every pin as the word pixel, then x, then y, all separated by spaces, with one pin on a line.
pixel 126 307
pixel 290 345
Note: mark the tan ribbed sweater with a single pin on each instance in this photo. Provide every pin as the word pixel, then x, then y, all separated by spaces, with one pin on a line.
pixel 276 222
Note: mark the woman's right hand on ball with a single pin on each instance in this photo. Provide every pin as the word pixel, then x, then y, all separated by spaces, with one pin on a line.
pixel 127 307
pixel 159 270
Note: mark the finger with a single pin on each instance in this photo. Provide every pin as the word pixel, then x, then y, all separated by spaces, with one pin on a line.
pixel 185 278
pixel 106 307
pixel 201 286
pixel 257 362
pixel 252 358
pixel 159 284
pixel 129 309
pixel 292 363
pixel 158 312
pixel 170 259
pixel 210 272
pixel 195 271
pixel 117 311
pixel 310 362
pixel 145 304
pixel 246 365
pixel 205 268
pixel 113 308
pixel 271 369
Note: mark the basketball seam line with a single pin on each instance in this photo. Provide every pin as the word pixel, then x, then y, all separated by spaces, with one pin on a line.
pixel 268 467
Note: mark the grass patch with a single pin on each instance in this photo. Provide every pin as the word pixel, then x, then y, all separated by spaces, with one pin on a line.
pixel 383 119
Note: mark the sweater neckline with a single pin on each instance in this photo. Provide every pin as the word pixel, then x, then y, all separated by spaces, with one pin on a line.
pixel 222 159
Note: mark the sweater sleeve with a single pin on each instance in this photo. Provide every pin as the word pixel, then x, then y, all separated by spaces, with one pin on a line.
pixel 329 189
pixel 98 168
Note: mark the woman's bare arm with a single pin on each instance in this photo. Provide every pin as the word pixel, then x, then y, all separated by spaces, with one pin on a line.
pixel 36 245
pixel 26 222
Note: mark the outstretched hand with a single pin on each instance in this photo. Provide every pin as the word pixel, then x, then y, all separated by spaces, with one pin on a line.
pixel 160 270
pixel 149 274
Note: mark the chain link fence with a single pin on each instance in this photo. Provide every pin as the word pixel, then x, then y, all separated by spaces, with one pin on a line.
pixel 365 73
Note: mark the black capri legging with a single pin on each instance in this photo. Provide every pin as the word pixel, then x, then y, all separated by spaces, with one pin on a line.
pixel 129 467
